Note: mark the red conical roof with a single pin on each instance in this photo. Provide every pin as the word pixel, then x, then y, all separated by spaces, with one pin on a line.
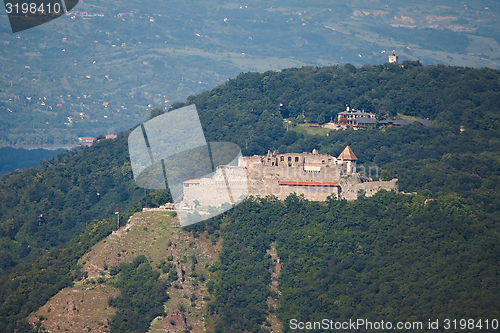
pixel 347 155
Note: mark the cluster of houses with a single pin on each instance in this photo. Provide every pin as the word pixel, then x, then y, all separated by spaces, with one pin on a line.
pixel 361 119
pixel 85 15
pixel 87 140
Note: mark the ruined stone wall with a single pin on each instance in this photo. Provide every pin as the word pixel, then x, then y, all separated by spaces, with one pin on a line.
pixel 313 193
pixel 295 160
pixel 250 161
pixel 263 179
pixel 351 185
pixel 330 173
pixel 213 191
pixel 268 187
pixel 253 177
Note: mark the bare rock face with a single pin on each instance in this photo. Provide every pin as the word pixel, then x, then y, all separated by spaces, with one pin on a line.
pixel 178 317
pixel 173 322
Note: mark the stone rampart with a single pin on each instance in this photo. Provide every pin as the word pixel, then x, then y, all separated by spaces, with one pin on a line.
pixel 353 186
pixel 261 176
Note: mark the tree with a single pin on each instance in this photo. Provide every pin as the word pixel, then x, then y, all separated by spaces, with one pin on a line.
pixel 155 113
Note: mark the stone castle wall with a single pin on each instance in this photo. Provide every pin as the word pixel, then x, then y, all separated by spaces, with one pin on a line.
pixel 296 160
pixel 257 176
pixel 227 185
pixel 351 187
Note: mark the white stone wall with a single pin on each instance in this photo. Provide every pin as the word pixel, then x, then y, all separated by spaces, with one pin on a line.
pixel 352 185
pixel 254 178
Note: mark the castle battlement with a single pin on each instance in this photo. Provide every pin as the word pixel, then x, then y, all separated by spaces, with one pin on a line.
pixel 316 176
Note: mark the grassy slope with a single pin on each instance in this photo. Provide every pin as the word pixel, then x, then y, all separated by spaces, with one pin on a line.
pixel 85 305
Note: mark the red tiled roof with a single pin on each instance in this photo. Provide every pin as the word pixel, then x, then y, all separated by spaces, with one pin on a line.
pixel 110 136
pixel 307 183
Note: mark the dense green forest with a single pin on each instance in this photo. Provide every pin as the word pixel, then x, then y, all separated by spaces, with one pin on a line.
pixel 390 257
pixel 73 191
pixel 70 190
pixel 340 252
pixel 141 298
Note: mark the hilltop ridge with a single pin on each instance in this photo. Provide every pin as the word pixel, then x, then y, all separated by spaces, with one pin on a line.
pixel 455 162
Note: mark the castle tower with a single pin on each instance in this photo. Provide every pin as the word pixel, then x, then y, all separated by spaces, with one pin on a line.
pixel 348 156
pixel 393 58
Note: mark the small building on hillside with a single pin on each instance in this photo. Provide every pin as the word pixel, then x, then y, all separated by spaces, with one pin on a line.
pixel 365 123
pixel 356 118
pixel 402 122
pixel 86 139
pixel 359 119
pixel 347 157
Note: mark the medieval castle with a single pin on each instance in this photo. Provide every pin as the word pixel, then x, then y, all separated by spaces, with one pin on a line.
pixel 314 175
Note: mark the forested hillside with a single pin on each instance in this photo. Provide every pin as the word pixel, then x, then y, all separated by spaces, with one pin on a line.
pixel 12 159
pixel 357 258
pixel 75 192
pixel 248 111
pixel 389 257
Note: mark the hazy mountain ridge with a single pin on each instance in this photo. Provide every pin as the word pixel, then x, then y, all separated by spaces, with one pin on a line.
pixel 168 51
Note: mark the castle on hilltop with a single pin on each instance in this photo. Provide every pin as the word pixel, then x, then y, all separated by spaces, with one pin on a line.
pixel 314 175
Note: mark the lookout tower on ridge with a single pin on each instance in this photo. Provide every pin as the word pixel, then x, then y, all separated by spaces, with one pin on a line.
pixel 348 156
pixel 393 58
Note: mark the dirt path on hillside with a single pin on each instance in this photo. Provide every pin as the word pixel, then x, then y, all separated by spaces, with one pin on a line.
pixel 272 303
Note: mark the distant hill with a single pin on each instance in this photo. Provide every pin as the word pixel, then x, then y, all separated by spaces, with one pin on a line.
pixel 12 159
pixel 101 68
